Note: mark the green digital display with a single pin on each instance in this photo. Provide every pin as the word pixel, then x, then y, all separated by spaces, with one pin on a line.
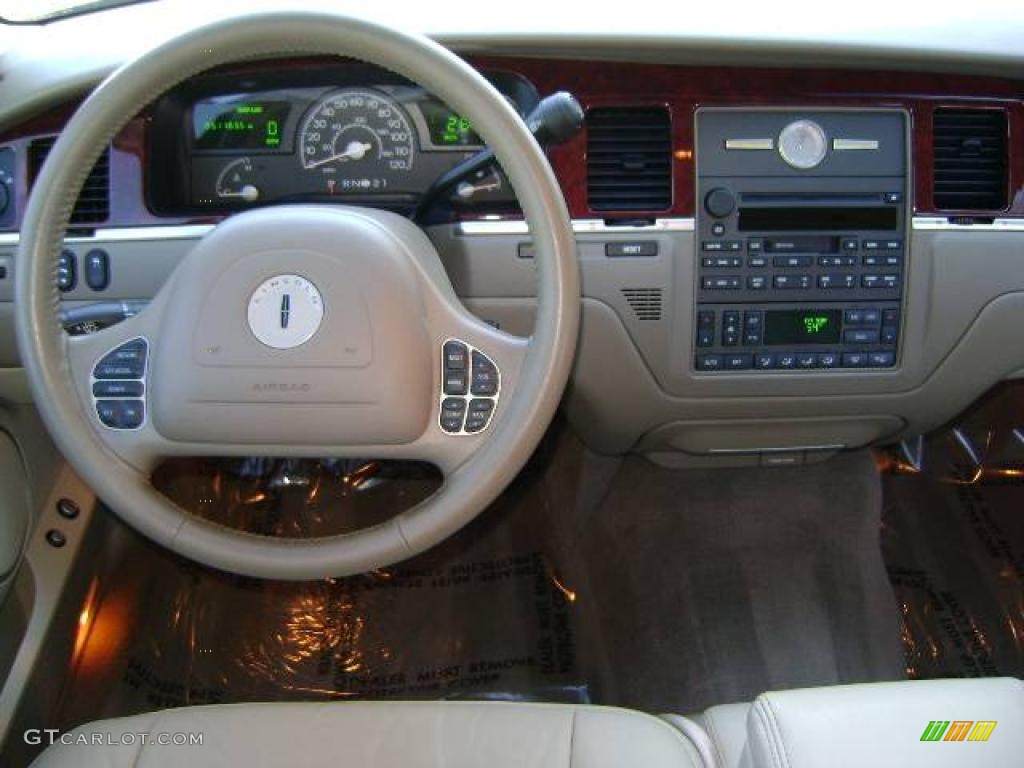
pixel 794 326
pixel 242 125
pixel 448 128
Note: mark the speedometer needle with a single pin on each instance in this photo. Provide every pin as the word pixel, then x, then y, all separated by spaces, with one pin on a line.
pixel 356 150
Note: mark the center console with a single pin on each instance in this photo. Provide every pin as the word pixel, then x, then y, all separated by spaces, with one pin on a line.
pixel 801 238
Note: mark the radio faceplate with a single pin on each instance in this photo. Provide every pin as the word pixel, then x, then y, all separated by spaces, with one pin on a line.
pixel 803 253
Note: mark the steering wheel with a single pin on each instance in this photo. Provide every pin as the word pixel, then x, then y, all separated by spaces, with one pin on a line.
pixel 299 330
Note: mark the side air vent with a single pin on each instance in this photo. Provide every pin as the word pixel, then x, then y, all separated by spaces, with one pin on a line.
pixel 629 159
pixel 93 205
pixel 645 302
pixel 970 159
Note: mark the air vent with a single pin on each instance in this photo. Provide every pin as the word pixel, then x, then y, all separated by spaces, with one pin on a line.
pixel 970 159
pixel 629 159
pixel 93 205
pixel 645 302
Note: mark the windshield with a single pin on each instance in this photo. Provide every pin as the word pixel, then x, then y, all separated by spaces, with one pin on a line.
pixel 41 11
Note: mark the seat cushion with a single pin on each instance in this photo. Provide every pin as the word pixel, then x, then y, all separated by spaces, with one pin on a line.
pixel 878 724
pixel 379 735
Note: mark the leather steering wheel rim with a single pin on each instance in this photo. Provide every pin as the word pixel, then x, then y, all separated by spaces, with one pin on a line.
pixel 525 415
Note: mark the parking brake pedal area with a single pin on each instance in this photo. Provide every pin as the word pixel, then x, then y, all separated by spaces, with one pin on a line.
pixel 470 385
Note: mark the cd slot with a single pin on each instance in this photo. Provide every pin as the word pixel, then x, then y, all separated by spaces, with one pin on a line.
pixel 817 218
pixel 767 200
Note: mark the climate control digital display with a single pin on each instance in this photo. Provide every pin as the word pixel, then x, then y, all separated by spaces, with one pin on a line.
pixel 799 326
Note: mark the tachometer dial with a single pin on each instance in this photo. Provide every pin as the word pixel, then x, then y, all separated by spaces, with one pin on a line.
pixel 357 137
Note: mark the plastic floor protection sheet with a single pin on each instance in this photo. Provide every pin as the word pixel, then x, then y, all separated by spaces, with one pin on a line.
pixel 953 543
pixel 417 630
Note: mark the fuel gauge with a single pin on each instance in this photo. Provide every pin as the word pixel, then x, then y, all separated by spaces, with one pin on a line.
pixel 235 182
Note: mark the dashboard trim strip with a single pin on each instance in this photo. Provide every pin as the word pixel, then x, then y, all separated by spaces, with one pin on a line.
pixel 937 223
pixel 579 226
pixel 503 227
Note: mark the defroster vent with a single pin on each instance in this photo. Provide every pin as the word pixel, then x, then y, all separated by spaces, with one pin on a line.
pixel 93 205
pixel 970 159
pixel 629 159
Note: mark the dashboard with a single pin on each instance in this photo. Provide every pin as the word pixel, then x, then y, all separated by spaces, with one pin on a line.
pixel 348 134
pixel 777 261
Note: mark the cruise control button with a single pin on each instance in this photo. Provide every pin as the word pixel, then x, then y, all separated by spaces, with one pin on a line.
pixel 120 414
pixel 117 389
pixel 126 362
pixel 455 355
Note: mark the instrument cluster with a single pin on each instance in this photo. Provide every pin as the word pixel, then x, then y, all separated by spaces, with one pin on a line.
pixel 382 143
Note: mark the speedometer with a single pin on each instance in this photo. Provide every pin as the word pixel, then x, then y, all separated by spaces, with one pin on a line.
pixel 358 138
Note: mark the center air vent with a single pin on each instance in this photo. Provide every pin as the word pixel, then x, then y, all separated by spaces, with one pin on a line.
pixel 93 205
pixel 970 159
pixel 629 159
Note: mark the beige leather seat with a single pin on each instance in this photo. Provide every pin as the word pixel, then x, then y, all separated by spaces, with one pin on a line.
pixel 380 735
pixel 877 725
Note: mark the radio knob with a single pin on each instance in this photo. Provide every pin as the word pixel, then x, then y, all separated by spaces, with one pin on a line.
pixel 720 202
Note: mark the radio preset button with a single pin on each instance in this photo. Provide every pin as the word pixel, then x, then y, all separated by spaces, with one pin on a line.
pixel 837 261
pixel 757 262
pixel 757 282
pixel 729 283
pixel 722 262
pixel 787 282
pixel 844 281
pixel 792 261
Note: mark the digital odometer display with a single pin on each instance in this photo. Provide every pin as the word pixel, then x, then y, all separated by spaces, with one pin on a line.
pixel 812 326
pixel 447 128
pixel 239 125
